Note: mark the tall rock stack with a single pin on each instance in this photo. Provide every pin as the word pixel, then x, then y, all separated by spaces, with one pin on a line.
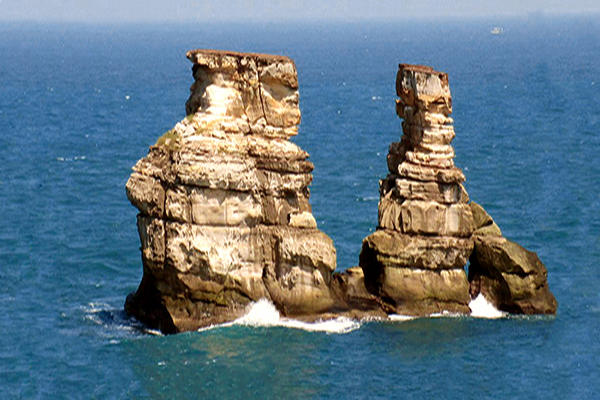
pixel 223 198
pixel 415 260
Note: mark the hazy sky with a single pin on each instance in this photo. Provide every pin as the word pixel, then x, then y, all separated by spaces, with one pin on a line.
pixel 255 10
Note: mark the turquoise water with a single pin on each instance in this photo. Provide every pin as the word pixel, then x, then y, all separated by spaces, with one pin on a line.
pixel 79 105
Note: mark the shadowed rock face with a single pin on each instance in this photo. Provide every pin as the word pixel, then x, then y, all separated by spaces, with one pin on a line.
pixel 223 198
pixel 415 260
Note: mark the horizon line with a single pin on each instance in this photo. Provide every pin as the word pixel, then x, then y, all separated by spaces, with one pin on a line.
pixel 533 16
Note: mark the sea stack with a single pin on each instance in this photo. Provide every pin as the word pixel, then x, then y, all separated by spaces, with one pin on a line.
pixel 415 260
pixel 224 217
pixel 428 229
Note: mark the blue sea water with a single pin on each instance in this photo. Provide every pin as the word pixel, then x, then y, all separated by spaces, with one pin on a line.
pixel 79 105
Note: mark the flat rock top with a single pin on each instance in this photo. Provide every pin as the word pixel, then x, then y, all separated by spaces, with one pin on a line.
pixel 201 56
pixel 417 68
pixel 422 86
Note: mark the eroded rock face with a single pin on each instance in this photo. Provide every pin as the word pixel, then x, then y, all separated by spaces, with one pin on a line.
pixel 225 217
pixel 415 261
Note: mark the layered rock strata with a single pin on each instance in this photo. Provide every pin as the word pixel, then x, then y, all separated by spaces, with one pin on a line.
pixel 224 205
pixel 415 260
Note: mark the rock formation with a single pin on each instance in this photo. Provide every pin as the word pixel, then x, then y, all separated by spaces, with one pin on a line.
pixel 224 215
pixel 415 260
pixel 223 198
pixel 428 229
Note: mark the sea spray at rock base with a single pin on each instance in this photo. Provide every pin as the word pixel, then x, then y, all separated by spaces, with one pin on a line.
pixel 264 314
pixel 481 308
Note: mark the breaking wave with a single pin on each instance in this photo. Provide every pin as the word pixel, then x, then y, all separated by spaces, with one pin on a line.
pixel 264 314
pixel 481 308
pixel 67 159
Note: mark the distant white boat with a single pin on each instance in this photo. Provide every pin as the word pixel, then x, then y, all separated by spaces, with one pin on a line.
pixel 497 31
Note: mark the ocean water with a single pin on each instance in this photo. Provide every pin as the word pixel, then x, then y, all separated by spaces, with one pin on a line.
pixel 79 105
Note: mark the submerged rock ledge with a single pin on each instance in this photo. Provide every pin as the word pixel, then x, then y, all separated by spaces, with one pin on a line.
pixel 225 218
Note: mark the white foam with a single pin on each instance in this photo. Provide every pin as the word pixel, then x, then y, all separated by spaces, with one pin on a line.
pixel 481 308
pixel 154 332
pixel 446 314
pixel 211 327
pixel 261 313
pixel 95 308
pixel 68 159
pixel 264 314
pixel 400 317
pixel 114 322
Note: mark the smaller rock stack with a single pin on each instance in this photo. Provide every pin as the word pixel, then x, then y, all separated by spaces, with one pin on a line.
pixel 415 260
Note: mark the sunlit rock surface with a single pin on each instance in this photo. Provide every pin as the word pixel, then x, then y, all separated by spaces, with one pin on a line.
pixel 510 277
